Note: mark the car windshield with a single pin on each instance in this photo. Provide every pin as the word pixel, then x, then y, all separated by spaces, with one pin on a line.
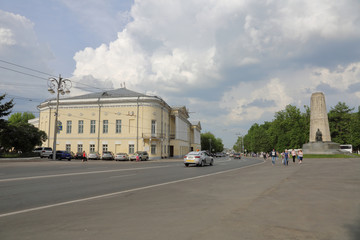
pixel 194 153
pixel 121 154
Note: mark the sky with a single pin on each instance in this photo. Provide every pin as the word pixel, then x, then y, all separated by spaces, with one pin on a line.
pixel 232 63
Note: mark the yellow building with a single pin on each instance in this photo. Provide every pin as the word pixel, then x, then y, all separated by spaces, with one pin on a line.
pixel 120 121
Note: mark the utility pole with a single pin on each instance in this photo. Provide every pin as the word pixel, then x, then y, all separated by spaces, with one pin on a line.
pixel 62 86
pixel 210 144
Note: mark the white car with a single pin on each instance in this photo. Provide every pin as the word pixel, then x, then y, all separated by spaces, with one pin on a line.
pixel 200 158
pixel 121 157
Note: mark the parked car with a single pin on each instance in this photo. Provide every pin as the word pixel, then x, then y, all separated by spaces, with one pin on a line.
pixel 43 151
pixel 107 156
pixel 237 155
pixel 79 155
pixel 143 156
pixel 121 157
pixel 94 156
pixel 200 158
pixel 62 155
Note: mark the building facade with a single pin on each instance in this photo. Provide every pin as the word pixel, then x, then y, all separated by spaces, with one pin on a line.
pixel 119 120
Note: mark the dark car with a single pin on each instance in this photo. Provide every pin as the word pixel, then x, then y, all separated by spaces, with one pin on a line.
pixel 237 155
pixel 79 155
pixel 62 155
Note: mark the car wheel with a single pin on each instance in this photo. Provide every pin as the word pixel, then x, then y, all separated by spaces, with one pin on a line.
pixel 186 164
pixel 202 164
pixel 211 162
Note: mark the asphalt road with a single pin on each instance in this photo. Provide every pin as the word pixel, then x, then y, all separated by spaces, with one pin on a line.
pixel 235 199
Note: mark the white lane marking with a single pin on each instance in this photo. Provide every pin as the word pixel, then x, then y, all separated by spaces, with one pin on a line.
pixel 78 173
pixel 120 176
pixel 122 192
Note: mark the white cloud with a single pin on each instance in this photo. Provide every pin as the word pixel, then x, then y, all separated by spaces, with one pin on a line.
pixel 268 53
pixel 19 44
pixel 6 37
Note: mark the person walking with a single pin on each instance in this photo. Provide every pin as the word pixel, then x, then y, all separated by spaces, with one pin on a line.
pixel 301 155
pixel 286 157
pixel 273 156
pixel 293 154
pixel 84 158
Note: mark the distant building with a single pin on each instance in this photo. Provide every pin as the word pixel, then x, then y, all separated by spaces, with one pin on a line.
pixel 120 121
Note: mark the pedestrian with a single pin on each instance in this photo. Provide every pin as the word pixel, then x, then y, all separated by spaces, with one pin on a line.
pixel 84 158
pixel 264 155
pixel 286 157
pixel 301 155
pixel 273 156
pixel 293 154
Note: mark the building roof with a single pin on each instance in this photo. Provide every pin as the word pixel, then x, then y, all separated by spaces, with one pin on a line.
pixel 116 93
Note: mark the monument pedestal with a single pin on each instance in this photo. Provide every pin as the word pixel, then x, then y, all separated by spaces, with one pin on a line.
pixel 321 148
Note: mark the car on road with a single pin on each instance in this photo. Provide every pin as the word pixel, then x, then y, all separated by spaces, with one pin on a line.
pixel 237 155
pixel 107 155
pixel 200 158
pixel 143 156
pixel 121 157
pixel 79 155
pixel 61 155
pixel 43 151
pixel 94 156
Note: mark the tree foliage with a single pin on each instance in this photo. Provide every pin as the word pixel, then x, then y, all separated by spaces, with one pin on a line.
pixel 16 134
pixel 5 110
pixel 21 137
pixel 208 139
pixel 290 129
pixel 16 118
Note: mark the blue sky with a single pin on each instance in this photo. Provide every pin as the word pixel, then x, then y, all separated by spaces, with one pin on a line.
pixel 231 63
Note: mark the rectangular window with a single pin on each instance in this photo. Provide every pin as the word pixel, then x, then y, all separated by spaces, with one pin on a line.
pixel 68 147
pixel 105 126
pixel 153 148
pixel 105 148
pixel 92 126
pixel 92 147
pixel 81 126
pixel 68 126
pixel 131 148
pixel 118 126
pixel 153 127
pixel 80 148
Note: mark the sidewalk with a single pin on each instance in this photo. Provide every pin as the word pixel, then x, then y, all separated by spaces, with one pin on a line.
pixel 319 199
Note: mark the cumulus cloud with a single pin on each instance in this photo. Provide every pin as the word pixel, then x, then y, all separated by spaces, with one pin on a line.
pixel 248 59
pixel 19 44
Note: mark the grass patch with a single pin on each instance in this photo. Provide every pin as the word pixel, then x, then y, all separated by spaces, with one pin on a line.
pixel 331 155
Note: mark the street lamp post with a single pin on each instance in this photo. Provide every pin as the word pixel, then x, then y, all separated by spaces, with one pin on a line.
pixel 60 86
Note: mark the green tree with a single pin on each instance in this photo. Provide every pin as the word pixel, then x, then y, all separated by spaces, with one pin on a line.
pixel 5 110
pixel 208 139
pixel 340 123
pixel 355 130
pixel 18 135
pixel 289 129
pixel 16 118
pixel 22 137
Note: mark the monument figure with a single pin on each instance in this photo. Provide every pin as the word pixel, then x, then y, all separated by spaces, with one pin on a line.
pixel 319 137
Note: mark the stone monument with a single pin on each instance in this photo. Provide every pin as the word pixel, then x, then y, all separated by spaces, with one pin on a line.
pixel 319 139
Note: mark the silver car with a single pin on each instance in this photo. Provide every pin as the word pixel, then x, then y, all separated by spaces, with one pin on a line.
pixel 121 157
pixel 200 158
pixel 107 156
pixel 94 156
pixel 43 151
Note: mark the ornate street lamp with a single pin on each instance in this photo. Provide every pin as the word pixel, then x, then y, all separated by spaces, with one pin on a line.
pixel 58 86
